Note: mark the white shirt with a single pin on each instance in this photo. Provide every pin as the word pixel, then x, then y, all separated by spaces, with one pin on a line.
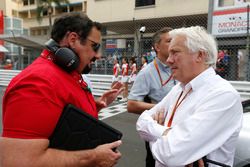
pixel 206 123
pixel 87 80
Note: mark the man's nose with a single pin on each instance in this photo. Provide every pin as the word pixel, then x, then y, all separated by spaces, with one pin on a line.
pixel 98 55
pixel 169 59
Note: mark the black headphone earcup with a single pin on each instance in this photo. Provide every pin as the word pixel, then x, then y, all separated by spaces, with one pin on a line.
pixel 66 59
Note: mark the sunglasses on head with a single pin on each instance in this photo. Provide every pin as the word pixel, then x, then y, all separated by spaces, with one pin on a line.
pixel 95 46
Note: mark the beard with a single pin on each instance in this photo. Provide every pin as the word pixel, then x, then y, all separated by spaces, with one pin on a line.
pixel 88 67
pixel 86 70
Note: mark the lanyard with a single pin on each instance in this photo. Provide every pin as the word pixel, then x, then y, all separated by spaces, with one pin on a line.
pixel 159 74
pixel 177 104
pixel 84 85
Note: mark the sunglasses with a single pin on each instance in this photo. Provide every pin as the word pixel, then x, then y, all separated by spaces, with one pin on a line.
pixel 95 46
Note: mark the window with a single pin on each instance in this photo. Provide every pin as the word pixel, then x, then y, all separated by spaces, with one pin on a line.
pixel 45 12
pixel 17 23
pixel 26 31
pixel 139 3
pixel 23 14
pixel 85 7
pixel 45 32
pixel 223 3
pixel 33 32
pixel 38 32
pixel 71 8
pixel 14 13
pixel 25 2
pixel 32 2
pixel 76 8
pixel 64 9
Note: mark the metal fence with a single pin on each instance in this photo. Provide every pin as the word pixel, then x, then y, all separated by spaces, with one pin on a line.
pixel 105 64
pixel 234 64
pixel 125 40
pixel 233 49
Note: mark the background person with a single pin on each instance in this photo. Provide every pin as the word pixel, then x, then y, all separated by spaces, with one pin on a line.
pixel 8 65
pixel 144 61
pixel 133 70
pixel 153 82
pixel 226 61
pixel 116 71
pixel 220 64
pixel 177 127
pixel 35 98
pixel 125 78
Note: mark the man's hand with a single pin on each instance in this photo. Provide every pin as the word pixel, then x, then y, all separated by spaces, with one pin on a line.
pixel 105 156
pixel 159 116
pixel 200 163
pixel 109 96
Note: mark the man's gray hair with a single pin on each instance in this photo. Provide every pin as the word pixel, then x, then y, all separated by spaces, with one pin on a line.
pixel 197 39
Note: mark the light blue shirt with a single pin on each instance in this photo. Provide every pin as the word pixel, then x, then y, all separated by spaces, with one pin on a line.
pixel 148 82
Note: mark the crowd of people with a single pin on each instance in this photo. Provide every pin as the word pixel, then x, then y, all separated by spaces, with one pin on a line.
pixel 179 97
pixel 126 72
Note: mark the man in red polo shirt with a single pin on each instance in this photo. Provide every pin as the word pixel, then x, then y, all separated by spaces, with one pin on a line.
pixel 34 100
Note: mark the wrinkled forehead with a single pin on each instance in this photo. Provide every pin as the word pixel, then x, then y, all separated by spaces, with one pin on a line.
pixel 178 40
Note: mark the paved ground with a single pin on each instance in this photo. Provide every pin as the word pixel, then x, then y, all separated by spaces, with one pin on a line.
pixel 132 149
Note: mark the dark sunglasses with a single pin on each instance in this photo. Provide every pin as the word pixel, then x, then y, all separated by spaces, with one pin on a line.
pixel 95 46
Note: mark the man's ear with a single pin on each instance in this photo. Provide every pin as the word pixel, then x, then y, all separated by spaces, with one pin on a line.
pixel 201 57
pixel 156 47
pixel 72 38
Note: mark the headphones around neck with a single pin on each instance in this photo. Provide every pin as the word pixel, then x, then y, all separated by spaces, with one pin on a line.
pixel 64 57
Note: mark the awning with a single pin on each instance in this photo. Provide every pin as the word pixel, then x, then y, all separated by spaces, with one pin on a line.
pixel 24 41
pixel 3 49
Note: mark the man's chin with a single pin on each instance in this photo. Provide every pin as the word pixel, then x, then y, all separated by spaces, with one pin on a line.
pixel 86 70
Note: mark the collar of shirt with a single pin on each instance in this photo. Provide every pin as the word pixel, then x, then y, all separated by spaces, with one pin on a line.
pixel 79 79
pixel 199 80
pixel 159 62
pixel 161 65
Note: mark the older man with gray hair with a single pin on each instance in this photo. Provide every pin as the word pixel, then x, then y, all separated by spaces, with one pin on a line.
pixel 202 115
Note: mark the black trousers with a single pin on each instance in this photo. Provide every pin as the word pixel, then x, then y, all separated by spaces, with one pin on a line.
pixel 150 161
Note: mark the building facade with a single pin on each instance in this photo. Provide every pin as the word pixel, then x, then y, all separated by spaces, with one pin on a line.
pixel 21 24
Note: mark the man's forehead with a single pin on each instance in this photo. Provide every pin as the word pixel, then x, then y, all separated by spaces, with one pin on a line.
pixel 177 44
pixel 95 33
pixel 166 34
pixel 180 37
pixel 177 40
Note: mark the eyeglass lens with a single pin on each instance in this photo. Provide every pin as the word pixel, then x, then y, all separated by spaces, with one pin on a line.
pixel 95 46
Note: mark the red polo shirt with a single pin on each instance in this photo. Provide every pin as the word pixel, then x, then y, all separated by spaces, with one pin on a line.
pixel 35 98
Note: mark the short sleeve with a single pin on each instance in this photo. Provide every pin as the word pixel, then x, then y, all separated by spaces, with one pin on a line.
pixel 140 87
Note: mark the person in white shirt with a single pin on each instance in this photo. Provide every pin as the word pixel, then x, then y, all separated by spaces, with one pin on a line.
pixel 201 115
